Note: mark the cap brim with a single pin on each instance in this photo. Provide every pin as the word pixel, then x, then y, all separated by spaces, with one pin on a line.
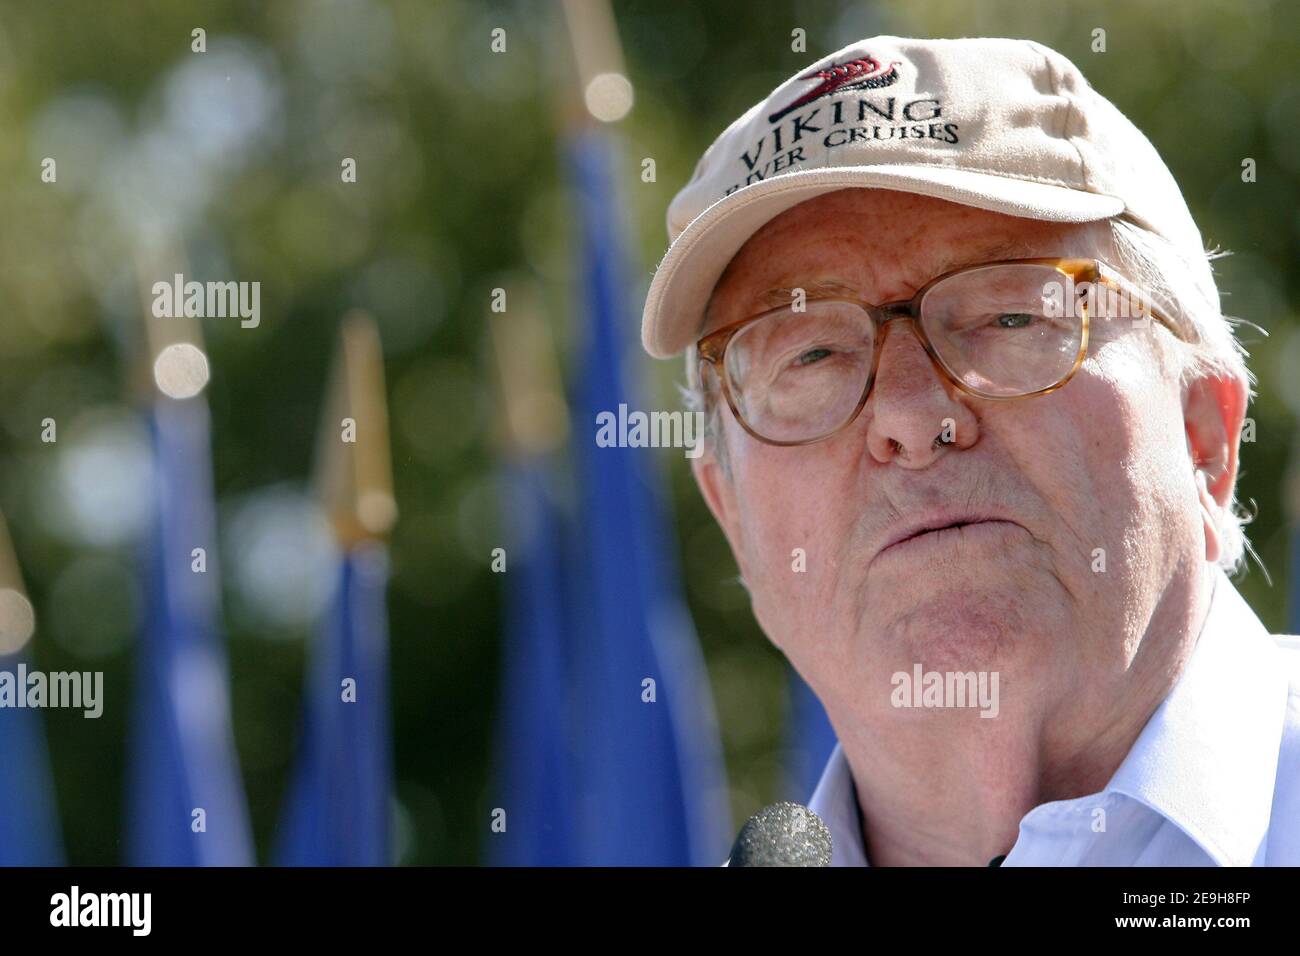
pixel 674 308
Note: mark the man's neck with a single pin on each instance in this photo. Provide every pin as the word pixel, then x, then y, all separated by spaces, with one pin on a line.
pixel 953 793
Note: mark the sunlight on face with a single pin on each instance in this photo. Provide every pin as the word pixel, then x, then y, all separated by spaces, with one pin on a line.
pixel 1025 499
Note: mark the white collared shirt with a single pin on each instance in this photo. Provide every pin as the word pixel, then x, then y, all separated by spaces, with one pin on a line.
pixel 1213 779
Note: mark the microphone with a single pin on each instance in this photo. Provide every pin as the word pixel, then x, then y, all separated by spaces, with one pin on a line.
pixel 783 834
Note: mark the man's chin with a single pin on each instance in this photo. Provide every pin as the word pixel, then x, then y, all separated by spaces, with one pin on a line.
pixel 964 621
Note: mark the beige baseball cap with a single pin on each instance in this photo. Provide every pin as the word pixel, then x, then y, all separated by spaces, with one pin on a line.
pixel 1006 125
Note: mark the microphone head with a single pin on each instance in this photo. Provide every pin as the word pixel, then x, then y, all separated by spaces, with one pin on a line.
pixel 783 834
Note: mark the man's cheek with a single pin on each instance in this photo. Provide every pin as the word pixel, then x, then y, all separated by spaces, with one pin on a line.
pixel 766 538
pixel 798 563
pixel 1102 487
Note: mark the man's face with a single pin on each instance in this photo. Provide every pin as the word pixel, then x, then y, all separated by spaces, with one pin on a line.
pixel 1093 484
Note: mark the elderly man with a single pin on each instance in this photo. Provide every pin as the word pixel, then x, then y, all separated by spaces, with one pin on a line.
pixel 985 511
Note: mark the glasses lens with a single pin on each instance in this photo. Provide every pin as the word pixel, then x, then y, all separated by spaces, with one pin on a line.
pixel 1005 330
pixel 796 376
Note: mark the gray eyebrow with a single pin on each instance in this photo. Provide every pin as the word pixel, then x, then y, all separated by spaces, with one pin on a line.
pixel 831 288
pixel 1008 249
pixel 816 289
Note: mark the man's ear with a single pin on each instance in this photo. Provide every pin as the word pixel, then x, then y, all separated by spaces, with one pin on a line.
pixel 1214 407
pixel 720 495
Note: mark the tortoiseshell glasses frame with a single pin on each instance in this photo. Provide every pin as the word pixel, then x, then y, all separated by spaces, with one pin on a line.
pixel 712 348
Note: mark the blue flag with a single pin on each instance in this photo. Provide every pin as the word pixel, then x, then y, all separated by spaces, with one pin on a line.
pixel 653 783
pixel 608 748
pixel 536 769
pixel 1293 615
pixel 338 812
pixel 29 827
pixel 185 799
pixel 1293 618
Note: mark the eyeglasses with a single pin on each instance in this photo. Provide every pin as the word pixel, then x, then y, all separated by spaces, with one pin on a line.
pixel 1002 330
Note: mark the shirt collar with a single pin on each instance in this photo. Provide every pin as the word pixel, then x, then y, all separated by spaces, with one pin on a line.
pixel 1206 760
pixel 836 801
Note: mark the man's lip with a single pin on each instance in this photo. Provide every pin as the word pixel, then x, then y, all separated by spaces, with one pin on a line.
pixel 939 523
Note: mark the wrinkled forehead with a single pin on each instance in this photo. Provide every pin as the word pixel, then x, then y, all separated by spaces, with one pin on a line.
pixel 880 244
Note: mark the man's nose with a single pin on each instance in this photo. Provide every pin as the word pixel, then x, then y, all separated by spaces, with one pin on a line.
pixel 914 412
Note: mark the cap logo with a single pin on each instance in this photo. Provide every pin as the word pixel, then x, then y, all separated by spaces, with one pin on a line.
pixel 864 73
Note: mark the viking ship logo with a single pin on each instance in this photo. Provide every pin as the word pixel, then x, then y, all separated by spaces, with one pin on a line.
pixel 864 73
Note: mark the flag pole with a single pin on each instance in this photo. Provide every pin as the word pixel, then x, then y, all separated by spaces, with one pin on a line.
pixel 533 418
pixel 533 782
pixel 354 471
pixel 666 804
pixel 605 91
pixel 29 826
pixel 338 811
pixel 1291 505
pixel 185 804
pixel 17 617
